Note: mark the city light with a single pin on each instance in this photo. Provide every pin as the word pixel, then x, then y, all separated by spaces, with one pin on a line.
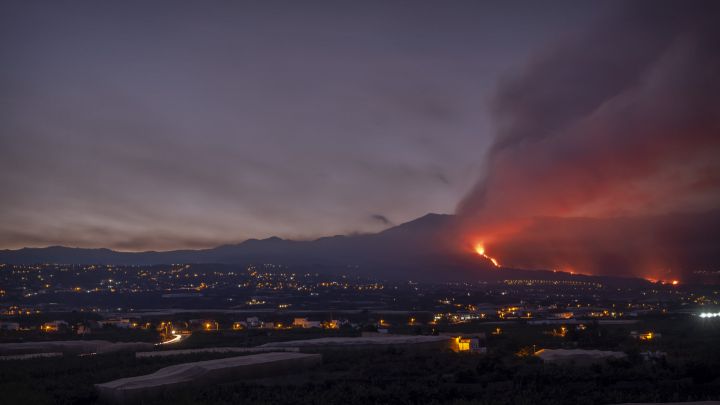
pixel 175 339
pixel 709 314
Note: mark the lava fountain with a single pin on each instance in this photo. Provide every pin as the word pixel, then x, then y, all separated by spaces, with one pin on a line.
pixel 480 249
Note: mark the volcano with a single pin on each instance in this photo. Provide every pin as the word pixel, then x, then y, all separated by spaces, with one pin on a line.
pixel 429 248
pixel 419 250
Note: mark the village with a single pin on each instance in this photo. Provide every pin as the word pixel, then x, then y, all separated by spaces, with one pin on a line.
pixel 192 324
pixel 222 348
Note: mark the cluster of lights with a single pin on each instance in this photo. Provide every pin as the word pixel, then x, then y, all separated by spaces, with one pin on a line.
pixel 710 314
pixel 553 282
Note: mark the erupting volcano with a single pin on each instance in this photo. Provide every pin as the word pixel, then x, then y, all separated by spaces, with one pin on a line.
pixel 605 152
pixel 480 249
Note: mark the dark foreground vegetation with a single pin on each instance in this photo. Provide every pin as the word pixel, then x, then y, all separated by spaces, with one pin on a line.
pixel 689 371
pixel 399 377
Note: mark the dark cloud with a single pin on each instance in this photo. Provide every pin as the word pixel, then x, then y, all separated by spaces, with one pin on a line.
pixel 620 125
pixel 381 219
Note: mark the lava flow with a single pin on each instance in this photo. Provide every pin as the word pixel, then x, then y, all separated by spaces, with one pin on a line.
pixel 480 249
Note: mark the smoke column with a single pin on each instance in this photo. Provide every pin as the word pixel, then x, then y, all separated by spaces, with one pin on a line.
pixel 606 158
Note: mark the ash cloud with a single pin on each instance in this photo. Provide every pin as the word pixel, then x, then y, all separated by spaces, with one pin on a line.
pixel 605 156
pixel 382 219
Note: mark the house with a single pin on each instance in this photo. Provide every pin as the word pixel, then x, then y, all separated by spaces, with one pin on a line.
pixel 253 322
pixel 204 324
pixel 305 323
pixel 331 324
pixel 210 325
pixel 115 323
pixel 239 325
pixel 561 315
pixel 468 344
pixel 645 336
pixel 53 326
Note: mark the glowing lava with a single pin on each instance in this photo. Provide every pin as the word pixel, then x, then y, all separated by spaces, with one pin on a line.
pixel 663 282
pixel 480 249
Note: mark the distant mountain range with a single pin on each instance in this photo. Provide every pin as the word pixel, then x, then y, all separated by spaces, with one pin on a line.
pixel 400 249
pixel 417 250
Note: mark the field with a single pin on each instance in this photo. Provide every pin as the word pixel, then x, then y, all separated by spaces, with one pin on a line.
pixel 403 375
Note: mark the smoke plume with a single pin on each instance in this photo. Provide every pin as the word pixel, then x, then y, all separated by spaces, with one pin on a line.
pixel 606 156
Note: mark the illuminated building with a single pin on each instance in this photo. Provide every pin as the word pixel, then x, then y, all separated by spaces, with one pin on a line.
pixel 210 326
pixel 645 336
pixel 331 324
pixel 305 323
pixel 53 326
pixel 468 344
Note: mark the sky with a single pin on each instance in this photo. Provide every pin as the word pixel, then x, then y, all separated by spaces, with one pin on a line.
pixel 164 125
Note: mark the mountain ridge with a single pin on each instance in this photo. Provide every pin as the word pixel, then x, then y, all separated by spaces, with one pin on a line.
pixel 422 249
pixel 409 248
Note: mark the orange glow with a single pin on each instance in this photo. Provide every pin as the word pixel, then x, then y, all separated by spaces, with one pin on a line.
pixel 480 249
pixel 663 282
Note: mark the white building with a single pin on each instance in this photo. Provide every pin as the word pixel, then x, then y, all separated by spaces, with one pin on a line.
pixel 116 323
pixel 305 323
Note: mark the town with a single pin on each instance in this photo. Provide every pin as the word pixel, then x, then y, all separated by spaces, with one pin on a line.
pixel 184 313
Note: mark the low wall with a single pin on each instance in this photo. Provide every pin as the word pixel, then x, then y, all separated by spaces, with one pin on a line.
pixel 577 356
pixel 29 356
pixel 164 353
pixel 72 347
pixel 200 373
pixel 414 342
